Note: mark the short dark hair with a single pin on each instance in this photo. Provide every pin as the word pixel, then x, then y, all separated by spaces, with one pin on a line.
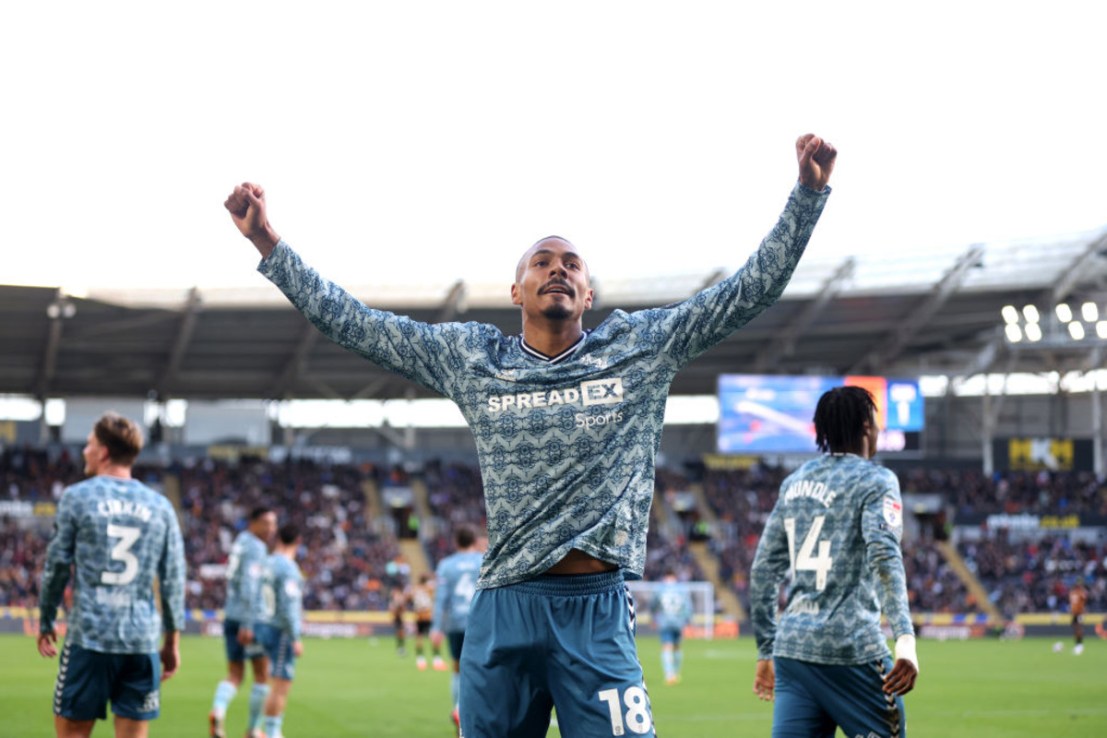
pixel 464 537
pixel 120 436
pixel 840 418
pixel 288 533
pixel 258 511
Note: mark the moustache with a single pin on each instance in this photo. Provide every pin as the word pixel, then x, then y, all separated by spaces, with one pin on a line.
pixel 556 283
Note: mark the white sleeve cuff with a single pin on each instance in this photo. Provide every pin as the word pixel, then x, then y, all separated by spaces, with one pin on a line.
pixel 905 649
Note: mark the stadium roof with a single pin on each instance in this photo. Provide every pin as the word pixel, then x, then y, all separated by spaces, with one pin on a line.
pixel 937 313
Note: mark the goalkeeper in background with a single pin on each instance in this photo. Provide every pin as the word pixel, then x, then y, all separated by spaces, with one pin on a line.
pixel 671 608
pixel 836 528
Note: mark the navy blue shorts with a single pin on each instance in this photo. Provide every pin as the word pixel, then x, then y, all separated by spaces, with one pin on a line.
pixel 88 680
pixel 235 650
pixel 670 635
pixel 812 700
pixel 278 647
pixel 553 641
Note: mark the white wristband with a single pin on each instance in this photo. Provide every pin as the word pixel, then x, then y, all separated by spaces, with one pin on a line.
pixel 905 649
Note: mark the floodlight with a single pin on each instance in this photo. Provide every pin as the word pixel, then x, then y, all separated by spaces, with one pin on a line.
pixel 1030 313
pixel 1010 314
pixel 1090 312
pixel 1014 333
pixel 1064 312
pixel 1033 332
pixel 1076 330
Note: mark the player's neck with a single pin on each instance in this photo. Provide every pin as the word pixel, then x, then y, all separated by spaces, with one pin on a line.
pixel 551 337
pixel 114 470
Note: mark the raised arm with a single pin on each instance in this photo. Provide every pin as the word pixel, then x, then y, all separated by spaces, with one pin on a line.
pixel 816 161
pixel 246 204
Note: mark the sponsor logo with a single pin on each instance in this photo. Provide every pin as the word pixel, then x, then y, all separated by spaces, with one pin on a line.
pixel 587 394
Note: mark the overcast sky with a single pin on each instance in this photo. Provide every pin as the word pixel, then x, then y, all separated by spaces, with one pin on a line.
pixel 428 141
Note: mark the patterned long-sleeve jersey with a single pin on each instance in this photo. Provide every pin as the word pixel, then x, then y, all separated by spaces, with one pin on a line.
pixel 282 595
pixel 566 444
pixel 245 568
pixel 457 583
pixel 116 536
pixel 671 606
pixel 836 528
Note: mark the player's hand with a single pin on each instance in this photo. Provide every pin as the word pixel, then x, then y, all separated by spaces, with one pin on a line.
pixel 901 679
pixel 46 644
pixel 436 638
pixel 246 204
pixel 245 636
pixel 816 161
pixel 764 680
pixel 170 655
pixel 298 649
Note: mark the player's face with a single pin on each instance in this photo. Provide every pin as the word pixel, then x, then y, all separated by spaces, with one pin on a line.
pixel 95 454
pixel 266 526
pixel 552 281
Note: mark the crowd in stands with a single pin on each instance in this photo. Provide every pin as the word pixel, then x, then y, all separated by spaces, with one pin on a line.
pixel 1036 575
pixel 343 556
pixel 346 551
pixel 1012 493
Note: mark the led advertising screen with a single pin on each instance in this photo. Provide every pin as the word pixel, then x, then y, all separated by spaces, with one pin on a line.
pixel 761 413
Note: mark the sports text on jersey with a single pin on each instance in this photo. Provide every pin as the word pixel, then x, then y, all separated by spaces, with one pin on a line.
pixel 124 507
pixel 812 490
pixel 592 392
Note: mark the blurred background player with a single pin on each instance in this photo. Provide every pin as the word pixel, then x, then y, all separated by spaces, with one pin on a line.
pixel 567 503
pixel 242 611
pixel 422 602
pixel 1078 597
pixel 116 534
pixel 396 574
pixel 457 576
pixel 282 592
pixel 397 606
pixel 671 608
pixel 836 528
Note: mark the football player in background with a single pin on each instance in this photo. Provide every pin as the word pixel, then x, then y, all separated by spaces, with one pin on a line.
pixel 242 610
pixel 115 535
pixel 836 529
pixel 457 576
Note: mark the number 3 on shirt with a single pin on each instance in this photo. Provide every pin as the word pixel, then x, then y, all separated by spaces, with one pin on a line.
pixel 121 551
pixel 807 562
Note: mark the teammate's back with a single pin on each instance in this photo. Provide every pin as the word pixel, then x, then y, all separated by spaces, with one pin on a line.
pixel 124 534
pixel 835 522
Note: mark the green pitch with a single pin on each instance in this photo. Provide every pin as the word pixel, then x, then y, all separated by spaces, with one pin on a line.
pixel 977 689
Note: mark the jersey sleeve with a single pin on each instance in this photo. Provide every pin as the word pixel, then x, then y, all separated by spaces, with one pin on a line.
pixel 697 324
pixel 770 565
pixel 59 559
pixel 252 576
pixel 292 602
pixel 428 354
pixel 882 528
pixel 171 575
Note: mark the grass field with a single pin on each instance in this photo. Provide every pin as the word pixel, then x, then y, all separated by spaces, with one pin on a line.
pixel 981 689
